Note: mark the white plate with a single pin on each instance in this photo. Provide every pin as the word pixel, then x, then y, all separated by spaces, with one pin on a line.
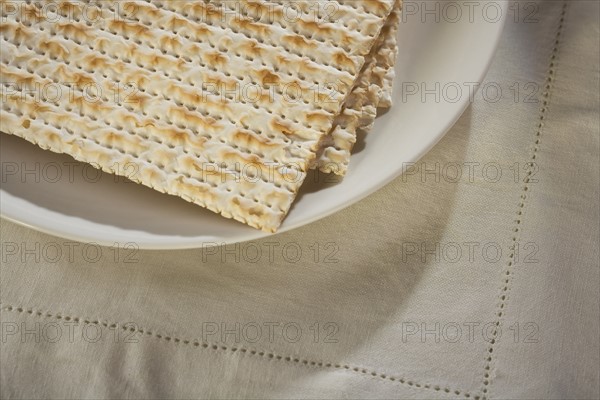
pixel 51 193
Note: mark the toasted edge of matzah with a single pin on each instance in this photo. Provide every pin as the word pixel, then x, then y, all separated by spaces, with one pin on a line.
pixel 373 91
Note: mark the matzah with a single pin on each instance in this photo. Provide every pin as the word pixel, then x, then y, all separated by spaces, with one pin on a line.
pixel 167 107
pixel 373 91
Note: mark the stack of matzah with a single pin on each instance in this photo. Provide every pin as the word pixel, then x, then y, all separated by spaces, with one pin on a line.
pixel 226 104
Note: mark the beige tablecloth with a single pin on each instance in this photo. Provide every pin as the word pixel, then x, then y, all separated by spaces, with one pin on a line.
pixel 482 284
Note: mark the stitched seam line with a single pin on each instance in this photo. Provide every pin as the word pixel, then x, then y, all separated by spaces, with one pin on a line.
pixel 269 355
pixel 509 270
